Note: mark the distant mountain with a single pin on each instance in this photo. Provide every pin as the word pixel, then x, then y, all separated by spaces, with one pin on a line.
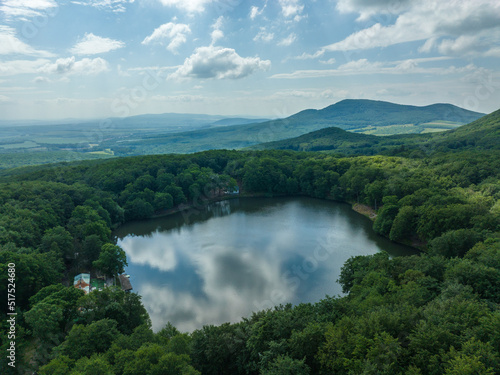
pixel 358 112
pixel 483 133
pixel 183 121
pixel 366 116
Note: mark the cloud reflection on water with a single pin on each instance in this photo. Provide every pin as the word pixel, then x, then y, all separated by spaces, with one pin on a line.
pixel 222 267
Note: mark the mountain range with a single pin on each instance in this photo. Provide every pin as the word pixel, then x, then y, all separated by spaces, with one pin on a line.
pixel 355 115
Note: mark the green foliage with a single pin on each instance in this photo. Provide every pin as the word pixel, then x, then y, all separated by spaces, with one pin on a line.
pixel 404 224
pixel 58 366
pixel 95 365
pixel 163 201
pixel 284 365
pixel 484 280
pixel 306 343
pixel 152 359
pixel 454 243
pixel 52 314
pixel 33 272
pixel 45 320
pixel 385 219
pixel 111 261
pixel 112 303
pixel 214 349
pixel 83 340
pixel 138 209
pixel 90 250
pixel 59 241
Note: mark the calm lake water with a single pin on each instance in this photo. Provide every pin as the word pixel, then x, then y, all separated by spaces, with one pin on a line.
pixel 242 255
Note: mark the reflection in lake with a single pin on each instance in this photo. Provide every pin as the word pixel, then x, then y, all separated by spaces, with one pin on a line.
pixel 243 255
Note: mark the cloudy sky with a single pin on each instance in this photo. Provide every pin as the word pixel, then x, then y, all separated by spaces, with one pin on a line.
pixel 100 58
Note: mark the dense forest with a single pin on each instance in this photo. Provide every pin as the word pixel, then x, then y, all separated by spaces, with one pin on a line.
pixel 435 313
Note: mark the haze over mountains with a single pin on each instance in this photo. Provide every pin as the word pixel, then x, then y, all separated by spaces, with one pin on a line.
pixel 354 115
pixel 185 133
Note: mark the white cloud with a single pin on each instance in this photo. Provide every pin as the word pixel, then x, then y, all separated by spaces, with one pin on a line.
pixel 428 45
pixel 493 52
pixel 291 8
pixel 361 65
pixel 288 40
pixel 190 6
pixel 217 32
pixel 186 98
pixel 364 67
pixel 42 80
pixel 11 45
pixel 219 63
pixel 121 72
pixel 71 66
pixel 307 94
pixel 254 12
pixel 25 9
pixel 158 255
pixel 367 8
pixel 330 61
pixel 152 69
pixel 116 6
pixel 425 20
pixel 92 44
pixel 64 66
pixel 263 36
pixel 379 36
pixel 175 34
pixel 468 45
pixel 309 56
pixel 462 45
pixel 5 99
pixel 14 67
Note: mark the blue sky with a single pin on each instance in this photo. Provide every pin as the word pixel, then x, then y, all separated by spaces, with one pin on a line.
pixel 108 58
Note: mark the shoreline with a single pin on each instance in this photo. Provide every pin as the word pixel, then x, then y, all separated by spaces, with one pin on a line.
pixel 365 210
pixel 359 208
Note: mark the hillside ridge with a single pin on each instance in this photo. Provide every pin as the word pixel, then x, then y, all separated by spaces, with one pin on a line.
pixel 481 133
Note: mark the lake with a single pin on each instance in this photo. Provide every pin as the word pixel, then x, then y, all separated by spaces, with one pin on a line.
pixel 219 263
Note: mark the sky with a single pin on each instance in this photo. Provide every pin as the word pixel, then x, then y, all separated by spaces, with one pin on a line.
pixel 268 58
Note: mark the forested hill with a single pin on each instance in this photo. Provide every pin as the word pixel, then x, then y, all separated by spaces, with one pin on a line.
pixel 359 113
pixel 483 133
pixel 329 139
pixel 365 116
pixel 480 134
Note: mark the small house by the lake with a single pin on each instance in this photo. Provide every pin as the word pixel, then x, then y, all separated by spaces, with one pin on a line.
pixel 82 281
